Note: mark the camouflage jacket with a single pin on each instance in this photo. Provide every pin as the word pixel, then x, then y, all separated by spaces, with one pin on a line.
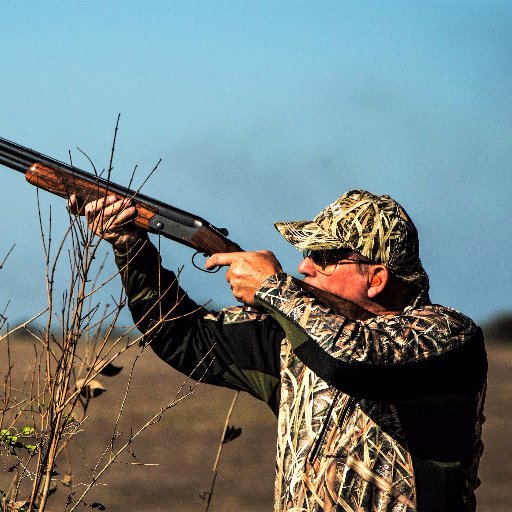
pixel 381 415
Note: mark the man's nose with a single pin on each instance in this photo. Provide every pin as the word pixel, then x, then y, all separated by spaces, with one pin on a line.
pixel 306 267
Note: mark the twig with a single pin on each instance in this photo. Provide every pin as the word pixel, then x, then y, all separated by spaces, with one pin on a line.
pixel 23 325
pixel 6 256
pixel 219 451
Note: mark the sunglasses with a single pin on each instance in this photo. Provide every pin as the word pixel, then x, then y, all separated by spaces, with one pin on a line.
pixel 326 261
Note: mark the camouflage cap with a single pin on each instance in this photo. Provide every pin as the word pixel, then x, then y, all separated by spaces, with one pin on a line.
pixel 375 226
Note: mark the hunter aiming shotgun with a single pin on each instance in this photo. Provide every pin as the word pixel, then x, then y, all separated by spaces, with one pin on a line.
pixel 153 216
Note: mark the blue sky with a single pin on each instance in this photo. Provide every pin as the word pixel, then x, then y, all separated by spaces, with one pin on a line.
pixel 266 111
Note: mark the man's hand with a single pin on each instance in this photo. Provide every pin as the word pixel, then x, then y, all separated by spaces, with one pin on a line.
pixel 246 272
pixel 111 219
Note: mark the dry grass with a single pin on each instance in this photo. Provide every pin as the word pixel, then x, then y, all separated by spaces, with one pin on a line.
pixel 184 443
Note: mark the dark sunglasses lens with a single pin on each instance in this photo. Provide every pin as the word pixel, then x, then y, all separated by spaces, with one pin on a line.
pixel 321 258
pixel 324 258
pixel 316 257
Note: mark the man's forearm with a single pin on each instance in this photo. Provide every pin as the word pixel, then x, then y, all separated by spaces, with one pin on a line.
pixel 153 292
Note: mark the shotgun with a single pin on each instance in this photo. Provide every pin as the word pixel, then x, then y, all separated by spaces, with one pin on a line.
pixel 152 215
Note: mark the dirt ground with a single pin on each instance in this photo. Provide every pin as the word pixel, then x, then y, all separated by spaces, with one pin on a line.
pixel 181 448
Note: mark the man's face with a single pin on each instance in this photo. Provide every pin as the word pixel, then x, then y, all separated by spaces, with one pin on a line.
pixel 342 278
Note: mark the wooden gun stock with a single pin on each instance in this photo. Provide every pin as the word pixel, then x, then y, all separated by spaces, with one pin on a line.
pixel 343 306
pixel 64 185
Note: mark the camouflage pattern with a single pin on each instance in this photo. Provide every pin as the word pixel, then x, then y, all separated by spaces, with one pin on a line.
pixel 363 463
pixel 375 226
pixel 359 465
pixel 234 315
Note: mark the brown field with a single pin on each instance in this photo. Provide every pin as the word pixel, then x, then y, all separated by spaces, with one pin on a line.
pixel 184 443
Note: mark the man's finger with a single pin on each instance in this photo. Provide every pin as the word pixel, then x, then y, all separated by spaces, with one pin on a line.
pixel 120 218
pixel 222 259
pixel 101 203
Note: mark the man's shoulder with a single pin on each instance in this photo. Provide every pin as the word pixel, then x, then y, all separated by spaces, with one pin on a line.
pixel 443 319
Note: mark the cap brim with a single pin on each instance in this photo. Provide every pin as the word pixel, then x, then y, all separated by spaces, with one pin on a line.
pixel 308 235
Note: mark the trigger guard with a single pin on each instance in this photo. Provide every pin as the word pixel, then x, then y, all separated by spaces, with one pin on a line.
pixel 212 271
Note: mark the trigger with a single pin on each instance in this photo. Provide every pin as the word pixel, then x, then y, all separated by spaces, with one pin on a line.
pixel 212 271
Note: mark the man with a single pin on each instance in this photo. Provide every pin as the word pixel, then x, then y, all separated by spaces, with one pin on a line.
pixel 382 412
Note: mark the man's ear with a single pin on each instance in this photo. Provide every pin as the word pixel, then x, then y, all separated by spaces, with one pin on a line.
pixel 378 278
